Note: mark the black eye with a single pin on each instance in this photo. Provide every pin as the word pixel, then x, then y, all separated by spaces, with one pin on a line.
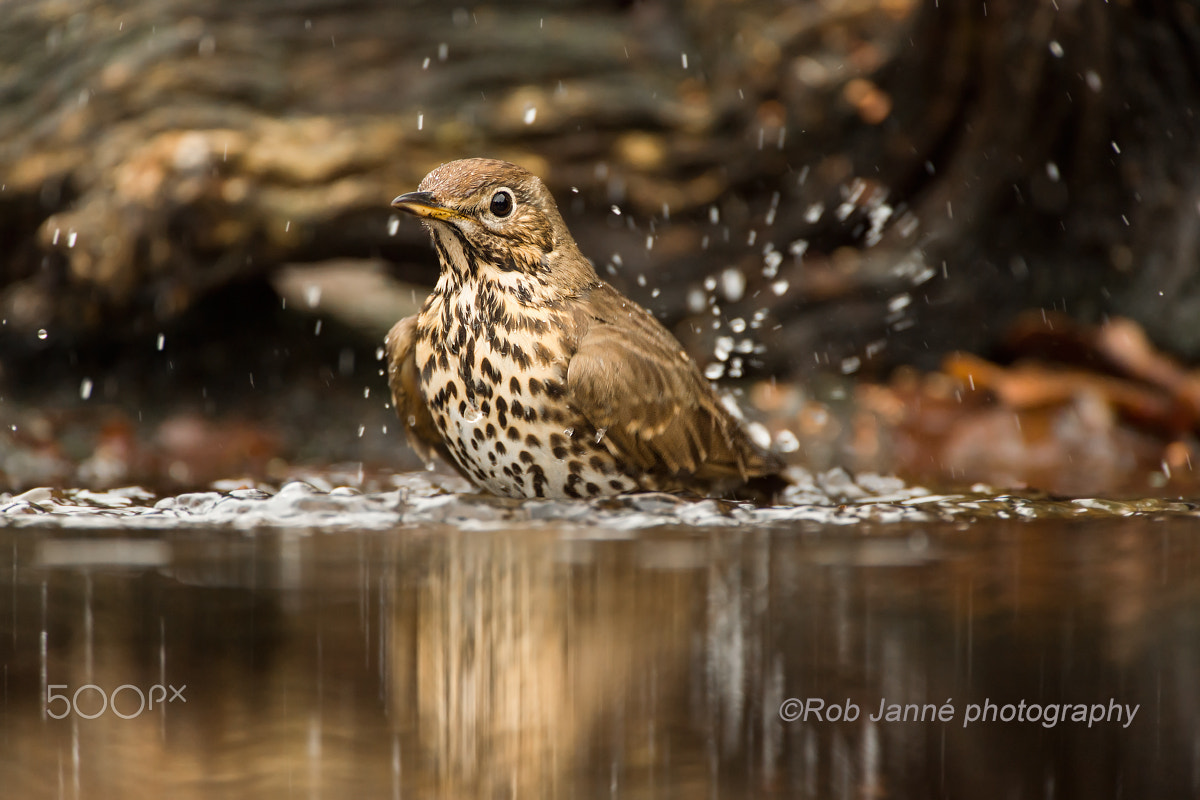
pixel 502 203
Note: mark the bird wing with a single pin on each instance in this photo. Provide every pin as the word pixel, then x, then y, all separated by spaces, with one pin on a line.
pixel 633 381
pixel 404 381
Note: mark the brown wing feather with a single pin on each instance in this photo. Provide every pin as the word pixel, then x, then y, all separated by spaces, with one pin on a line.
pixel 631 377
pixel 404 381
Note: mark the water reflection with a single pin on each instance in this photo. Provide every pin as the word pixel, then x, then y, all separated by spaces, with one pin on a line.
pixel 566 662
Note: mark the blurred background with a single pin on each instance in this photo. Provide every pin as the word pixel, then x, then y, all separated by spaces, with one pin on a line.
pixel 830 203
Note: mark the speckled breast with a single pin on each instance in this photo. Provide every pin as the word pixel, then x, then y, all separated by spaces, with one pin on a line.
pixel 497 396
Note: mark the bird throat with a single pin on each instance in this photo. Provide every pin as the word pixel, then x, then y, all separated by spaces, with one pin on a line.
pixel 459 263
pixel 482 290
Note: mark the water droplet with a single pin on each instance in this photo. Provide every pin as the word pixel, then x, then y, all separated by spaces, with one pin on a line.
pixel 1056 49
pixel 733 284
pixel 71 237
pixel 366 391
pixel 786 442
pixel 879 215
pixel 530 115
pixel 1052 171
pixel 723 347
pixel 737 325
pixel 771 263
pixel 714 371
pixel 683 59
pixel 569 432
pixel 780 287
pixel 443 51
pixel 473 415
pixel 379 355
pixel 393 225
pixel 85 388
pixel 361 430
pixel 759 433
pixel 162 342
pixel 714 214
pixel 814 212
pixel 312 295
pixel 42 334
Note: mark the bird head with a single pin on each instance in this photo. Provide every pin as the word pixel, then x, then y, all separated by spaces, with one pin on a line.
pixel 491 219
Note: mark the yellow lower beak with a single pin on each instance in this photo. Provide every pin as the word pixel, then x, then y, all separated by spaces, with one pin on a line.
pixel 422 204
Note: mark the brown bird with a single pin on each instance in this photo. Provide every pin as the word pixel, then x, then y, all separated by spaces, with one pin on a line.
pixel 534 377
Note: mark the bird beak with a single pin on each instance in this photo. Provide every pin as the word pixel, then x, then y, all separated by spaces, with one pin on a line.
pixel 422 204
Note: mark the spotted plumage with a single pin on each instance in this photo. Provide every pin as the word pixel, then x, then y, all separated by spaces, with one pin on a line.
pixel 535 378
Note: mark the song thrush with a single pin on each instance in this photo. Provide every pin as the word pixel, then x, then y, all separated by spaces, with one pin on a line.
pixel 534 377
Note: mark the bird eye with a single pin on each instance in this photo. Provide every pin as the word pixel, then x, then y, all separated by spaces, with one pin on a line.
pixel 502 203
